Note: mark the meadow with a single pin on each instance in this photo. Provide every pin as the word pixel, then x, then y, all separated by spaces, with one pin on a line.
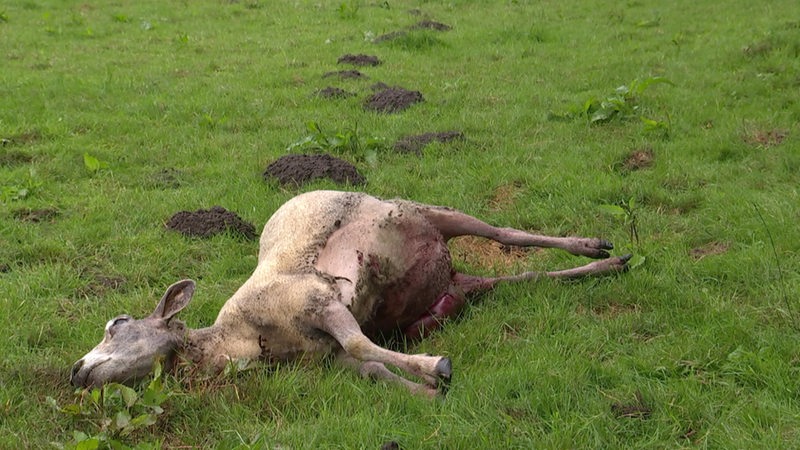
pixel 669 129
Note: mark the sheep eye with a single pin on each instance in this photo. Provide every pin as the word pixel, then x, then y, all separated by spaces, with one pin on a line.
pixel 116 321
pixel 119 320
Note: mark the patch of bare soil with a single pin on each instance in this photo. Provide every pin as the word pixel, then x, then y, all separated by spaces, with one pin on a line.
pixel 344 74
pixel 359 60
pixel 11 158
pixel 421 25
pixel 710 249
pixel 504 196
pixel 209 222
pixel 334 92
pixel 28 137
pixel 480 252
pixel 765 138
pixel 36 215
pixel 637 409
pixel 415 144
pixel 431 25
pixel 299 169
pixel 392 100
pixel 100 284
pixel 639 159
pixel 389 36
pixel 169 178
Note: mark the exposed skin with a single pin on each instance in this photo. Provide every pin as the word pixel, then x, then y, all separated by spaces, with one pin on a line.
pixel 335 270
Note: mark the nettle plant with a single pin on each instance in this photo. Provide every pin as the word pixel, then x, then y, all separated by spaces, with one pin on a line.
pixel 107 417
pixel 347 141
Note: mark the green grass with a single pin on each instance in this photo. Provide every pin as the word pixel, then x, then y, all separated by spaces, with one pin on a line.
pixel 695 347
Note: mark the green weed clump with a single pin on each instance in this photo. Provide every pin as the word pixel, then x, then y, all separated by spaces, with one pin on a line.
pixel 110 416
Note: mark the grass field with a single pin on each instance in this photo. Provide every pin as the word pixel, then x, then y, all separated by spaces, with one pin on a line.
pixel 115 115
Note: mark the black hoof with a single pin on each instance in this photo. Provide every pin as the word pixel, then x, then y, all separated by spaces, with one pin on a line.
pixel 604 244
pixel 444 373
pixel 625 258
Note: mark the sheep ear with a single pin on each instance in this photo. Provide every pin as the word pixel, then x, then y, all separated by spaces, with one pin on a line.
pixel 175 299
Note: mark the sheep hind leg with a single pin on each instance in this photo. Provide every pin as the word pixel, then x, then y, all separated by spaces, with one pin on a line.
pixel 452 302
pixel 452 223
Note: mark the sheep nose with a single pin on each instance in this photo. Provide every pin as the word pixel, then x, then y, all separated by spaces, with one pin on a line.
pixel 75 368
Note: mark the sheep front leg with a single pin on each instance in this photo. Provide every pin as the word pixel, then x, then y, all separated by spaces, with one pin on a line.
pixel 337 321
pixel 378 371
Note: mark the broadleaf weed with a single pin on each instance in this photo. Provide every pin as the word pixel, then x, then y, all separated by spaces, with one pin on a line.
pixel 113 413
pixel 623 104
pixel 347 141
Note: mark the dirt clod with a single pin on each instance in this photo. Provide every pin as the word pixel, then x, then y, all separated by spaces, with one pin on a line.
pixel 36 215
pixel 765 138
pixel 359 60
pixel 209 222
pixel 638 159
pixel 334 92
pixel 415 144
pixel 299 169
pixel 392 100
pixel 344 74
pixel 709 249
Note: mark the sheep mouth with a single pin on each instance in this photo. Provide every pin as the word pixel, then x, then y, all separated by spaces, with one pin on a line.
pixel 79 376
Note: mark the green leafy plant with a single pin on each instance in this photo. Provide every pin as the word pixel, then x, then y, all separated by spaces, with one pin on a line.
pixel 348 10
pixel 623 104
pixel 20 191
pixel 93 164
pixel 628 213
pixel 110 415
pixel 657 126
pixel 348 141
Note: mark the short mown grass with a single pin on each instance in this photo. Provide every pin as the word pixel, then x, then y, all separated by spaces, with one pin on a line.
pixel 181 106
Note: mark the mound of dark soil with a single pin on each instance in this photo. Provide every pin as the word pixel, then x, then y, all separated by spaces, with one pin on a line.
pixel 431 25
pixel 344 74
pixel 393 100
pixel 299 169
pixel 334 92
pixel 359 60
pixel 36 215
pixel 421 25
pixel 415 144
pixel 208 222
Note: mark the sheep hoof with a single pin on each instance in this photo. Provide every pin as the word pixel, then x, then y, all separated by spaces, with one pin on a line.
pixel 444 373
